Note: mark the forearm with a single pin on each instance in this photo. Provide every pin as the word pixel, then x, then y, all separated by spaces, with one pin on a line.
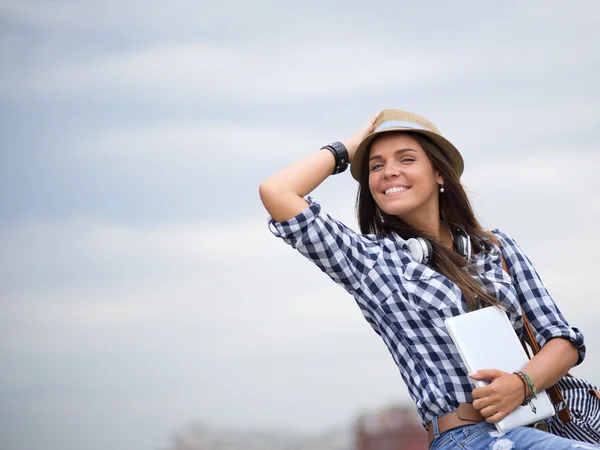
pixel 282 193
pixel 505 391
pixel 553 361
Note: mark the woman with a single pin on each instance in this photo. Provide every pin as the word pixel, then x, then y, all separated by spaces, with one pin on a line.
pixel 409 187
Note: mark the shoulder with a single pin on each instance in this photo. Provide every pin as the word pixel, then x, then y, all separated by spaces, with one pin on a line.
pixel 509 247
pixel 501 238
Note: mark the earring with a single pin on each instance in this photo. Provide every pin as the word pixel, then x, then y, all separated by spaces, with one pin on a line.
pixel 380 216
pixel 441 188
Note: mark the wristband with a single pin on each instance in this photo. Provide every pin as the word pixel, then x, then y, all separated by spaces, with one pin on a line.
pixel 530 392
pixel 340 153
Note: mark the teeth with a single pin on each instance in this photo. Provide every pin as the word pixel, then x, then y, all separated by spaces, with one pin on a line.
pixel 395 189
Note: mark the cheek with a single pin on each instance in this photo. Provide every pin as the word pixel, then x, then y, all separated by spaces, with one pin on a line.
pixel 426 178
pixel 372 184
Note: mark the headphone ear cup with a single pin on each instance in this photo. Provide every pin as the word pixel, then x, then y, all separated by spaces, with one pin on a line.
pixel 462 244
pixel 468 248
pixel 420 249
pixel 416 250
pixel 459 244
pixel 429 250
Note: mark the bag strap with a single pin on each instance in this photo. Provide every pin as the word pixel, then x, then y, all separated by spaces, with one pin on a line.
pixel 553 391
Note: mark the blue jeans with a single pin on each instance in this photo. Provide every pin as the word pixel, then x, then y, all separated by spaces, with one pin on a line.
pixel 477 437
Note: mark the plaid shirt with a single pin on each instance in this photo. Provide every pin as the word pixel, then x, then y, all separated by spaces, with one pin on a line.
pixel 406 302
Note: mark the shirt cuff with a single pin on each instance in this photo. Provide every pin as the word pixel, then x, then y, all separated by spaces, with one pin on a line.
pixel 570 334
pixel 292 229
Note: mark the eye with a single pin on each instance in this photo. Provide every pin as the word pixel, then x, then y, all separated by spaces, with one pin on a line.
pixel 407 160
pixel 375 167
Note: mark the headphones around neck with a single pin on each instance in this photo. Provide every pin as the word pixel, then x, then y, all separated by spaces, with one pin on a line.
pixel 421 249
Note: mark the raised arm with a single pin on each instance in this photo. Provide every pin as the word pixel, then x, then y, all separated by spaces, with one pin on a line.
pixel 282 193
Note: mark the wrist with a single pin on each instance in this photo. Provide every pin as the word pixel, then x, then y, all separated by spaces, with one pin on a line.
pixel 349 148
pixel 522 386
pixel 340 155
pixel 529 391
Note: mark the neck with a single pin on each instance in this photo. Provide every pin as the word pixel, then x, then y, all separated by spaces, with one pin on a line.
pixel 433 226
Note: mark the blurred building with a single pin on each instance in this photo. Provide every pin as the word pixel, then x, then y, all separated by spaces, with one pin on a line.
pixel 394 428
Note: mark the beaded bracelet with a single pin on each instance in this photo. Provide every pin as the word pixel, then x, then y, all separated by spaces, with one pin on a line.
pixel 525 388
pixel 529 387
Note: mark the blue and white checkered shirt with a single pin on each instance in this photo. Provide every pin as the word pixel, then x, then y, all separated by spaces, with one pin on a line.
pixel 406 302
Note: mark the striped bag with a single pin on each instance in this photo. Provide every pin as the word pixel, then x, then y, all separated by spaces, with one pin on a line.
pixel 583 400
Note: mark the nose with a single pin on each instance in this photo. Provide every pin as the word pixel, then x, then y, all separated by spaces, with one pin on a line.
pixel 391 170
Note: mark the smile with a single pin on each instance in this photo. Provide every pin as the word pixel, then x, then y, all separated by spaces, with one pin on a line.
pixel 395 190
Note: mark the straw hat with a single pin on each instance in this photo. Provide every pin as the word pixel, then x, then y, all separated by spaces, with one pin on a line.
pixel 397 120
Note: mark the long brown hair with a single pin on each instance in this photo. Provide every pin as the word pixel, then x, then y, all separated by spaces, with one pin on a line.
pixel 455 209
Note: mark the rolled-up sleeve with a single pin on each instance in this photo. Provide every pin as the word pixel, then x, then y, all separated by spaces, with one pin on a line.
pixel 542 312
pixel 342 253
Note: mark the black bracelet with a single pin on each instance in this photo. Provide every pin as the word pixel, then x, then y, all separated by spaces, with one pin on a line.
pixel 340 153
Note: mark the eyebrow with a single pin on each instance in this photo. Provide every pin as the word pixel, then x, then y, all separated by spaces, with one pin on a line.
pixel 402 150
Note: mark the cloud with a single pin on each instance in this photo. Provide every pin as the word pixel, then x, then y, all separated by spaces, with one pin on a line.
pixel 561 171
pixel 69 16
pixel 537 12
pixel 238 72
pixel 217 146
pixel 291 70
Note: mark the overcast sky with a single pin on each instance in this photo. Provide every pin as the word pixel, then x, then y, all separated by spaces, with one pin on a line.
pixel 140 287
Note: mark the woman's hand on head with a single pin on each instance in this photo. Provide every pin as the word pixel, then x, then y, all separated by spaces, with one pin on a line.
pixel 499 398
pixel 353 141
pixel 282 193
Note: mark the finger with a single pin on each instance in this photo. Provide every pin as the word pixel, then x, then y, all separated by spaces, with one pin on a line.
pixel 371 124
pixel 483 391
pixel 481 403
pixel 489 410
pixel 485 374
pixel 496 417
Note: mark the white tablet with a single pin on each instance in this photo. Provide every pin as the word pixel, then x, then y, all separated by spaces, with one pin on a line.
pixel 485 339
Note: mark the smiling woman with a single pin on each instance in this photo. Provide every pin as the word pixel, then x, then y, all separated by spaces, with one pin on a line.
pixel 421 258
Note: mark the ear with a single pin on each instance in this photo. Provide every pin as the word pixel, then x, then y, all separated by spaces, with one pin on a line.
pixel 439 178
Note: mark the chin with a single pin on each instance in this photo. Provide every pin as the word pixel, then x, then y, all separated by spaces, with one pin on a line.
pixel 397 210
pixel 403 213
pixel 399 214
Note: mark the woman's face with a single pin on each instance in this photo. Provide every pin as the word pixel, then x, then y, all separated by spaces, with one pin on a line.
pixel 402 179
